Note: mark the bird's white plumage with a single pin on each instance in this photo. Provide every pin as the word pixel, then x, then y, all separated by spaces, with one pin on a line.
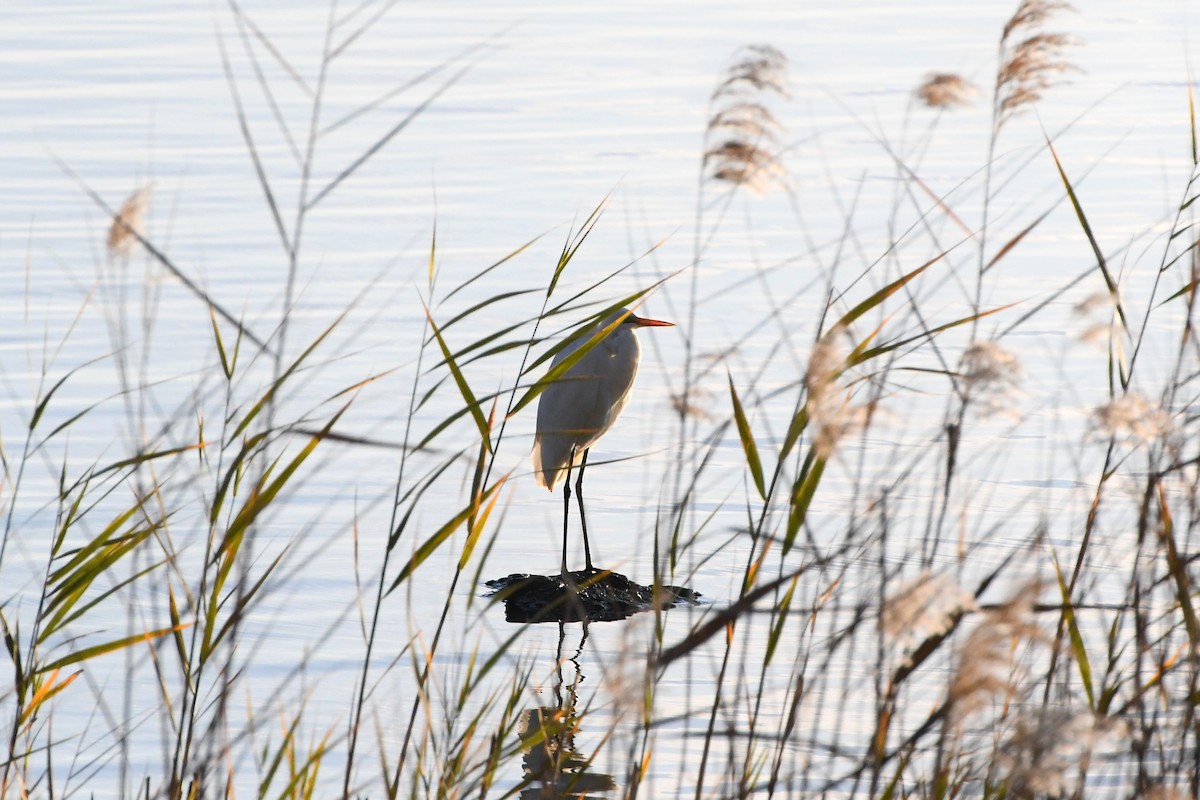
pixel 577 409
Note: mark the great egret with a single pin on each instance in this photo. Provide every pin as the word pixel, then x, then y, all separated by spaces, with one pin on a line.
pixel 581 405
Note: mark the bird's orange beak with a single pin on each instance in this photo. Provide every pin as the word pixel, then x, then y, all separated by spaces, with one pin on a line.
pixel 643 322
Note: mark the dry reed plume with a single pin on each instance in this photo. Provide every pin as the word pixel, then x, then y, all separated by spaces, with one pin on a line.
pixel 830 412
pixel 1030 59
pixel 743 135
pixel 926 606
pixel 1164 792
pixel 695 405
pixel 1092 309
pixel 126 226
pixel 1048 749
pixel 990 374
pixel 1132 416
pixel 946 90
pixel 985 669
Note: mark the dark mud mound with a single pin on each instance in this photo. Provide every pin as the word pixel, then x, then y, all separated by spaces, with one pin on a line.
pixel 595 596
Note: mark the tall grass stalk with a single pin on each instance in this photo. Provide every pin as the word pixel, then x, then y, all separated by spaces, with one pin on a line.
pixel 898 619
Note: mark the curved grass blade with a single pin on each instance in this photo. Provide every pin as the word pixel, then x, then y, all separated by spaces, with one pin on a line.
pixel 1078 650
pixel 485 433
pixel 1014 241
pixel 226 364
pixel 795 428
pixel 803 492
pixel 476 345
pixel 482 304
pixel 1192 125
pixel 718 622
pixel 387 137
pixel 486 270
pixel 62 619
pixel 443 533
pixel 886 292
pixel 265 493
pixel 50 687
pixel 108 647
pixel 1101 261
pixel 270 393
pixel 783 608
pixel 1178 568
pixel 748 446
pixel 866 355
pixel 41 406
pixel 575 241
pixel 477 527
pixel 162 259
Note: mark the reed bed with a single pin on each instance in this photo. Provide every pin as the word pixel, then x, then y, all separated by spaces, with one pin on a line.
pixel 898 626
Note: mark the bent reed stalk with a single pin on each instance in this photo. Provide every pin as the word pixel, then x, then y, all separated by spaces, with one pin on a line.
pixel 899 622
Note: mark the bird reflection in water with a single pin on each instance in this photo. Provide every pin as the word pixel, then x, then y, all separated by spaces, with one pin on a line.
pixel 553 767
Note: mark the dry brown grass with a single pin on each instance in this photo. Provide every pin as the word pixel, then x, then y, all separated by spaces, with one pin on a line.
pixel 126 227
pixel 985 672
pixel 925 607
pixel 743 135
pixel 1030 59
pixel 946 90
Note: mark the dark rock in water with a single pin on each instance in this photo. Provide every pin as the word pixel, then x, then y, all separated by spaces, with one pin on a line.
pixel 596 596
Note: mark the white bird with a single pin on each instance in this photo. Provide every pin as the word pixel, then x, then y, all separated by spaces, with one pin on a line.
pixel 578 408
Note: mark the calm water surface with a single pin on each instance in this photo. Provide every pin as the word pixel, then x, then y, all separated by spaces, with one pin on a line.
pixel 559 106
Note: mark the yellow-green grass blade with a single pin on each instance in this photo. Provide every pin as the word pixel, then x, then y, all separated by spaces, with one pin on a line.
pixel 795 429
pixel 244 598
pixel 80 555
pixel 782 610
pixel 276 385
pixel 575 241
pixel 40 408
pixel 1078 649
pixel 749 448
pixel 1192 125
pixel 1178 568
pixel 803 491
pixel 264 494
pixel 499 263
pixel 887 291
pixel 64 616
pixel 107 647
pixel 860 357
pixel 1014 241
pixel 430 545
pixel 582 330
pixel 464 388
pixel 1101 262
pixel 226 365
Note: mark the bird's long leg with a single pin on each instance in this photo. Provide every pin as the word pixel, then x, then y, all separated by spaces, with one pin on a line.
pixel 567 508
pixel 587 550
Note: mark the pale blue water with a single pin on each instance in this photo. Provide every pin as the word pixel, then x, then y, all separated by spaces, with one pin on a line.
pixel 561 105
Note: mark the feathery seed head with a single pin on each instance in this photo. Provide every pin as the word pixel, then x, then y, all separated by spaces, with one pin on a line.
pixel 992 374
pixel 831 415
pixel 985 669
pixel 1029 58
pixel 946 90
pixel 127 225
pixel 742 133
pixel 923 608
pixel 1048 748
pixel 1132 415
